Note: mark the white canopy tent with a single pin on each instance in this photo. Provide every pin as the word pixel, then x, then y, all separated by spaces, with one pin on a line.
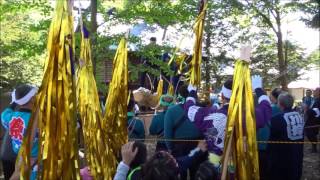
pixel 309 80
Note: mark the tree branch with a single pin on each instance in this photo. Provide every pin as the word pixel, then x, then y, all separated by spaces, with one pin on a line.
pixel 265 17
pixel 272 13
pixel 268 21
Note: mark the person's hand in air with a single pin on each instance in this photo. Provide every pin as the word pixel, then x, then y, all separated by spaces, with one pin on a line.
pixel 256 82
pixel 128 154
pixel 202 145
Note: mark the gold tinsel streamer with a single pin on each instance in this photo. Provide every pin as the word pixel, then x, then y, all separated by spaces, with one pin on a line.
pixel 100 158
pixel 171 89
pixel 242 139
pixel 175 52
pixel 55 105
pixel 195 71
pixel 116 105
pixel 180 61
pixel 159 89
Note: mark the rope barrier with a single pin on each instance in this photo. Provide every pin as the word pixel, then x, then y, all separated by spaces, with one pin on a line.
pixel 309 127
pixel 197 140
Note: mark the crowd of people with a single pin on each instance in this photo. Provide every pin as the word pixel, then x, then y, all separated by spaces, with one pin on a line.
pixel 277 120
pixel 198 131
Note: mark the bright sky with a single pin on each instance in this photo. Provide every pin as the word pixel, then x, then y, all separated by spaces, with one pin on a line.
pixel 306 37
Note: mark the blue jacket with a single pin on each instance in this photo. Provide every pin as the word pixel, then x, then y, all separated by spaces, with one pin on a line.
pixel 17 123
pixel 308 101
pixel 135 127
pixel 185 130
pixel 263 134
pixel 275 109
pixel 286 159
pixel 157 124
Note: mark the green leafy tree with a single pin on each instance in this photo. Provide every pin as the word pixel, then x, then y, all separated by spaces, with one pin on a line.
pixel 163 13
pixel 310 12
pixel 269 14
pixel 24 26
pixel 264 62
pixel 314 57
pixel 225 28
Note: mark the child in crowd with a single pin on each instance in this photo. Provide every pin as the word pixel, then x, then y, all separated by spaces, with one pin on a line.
pixel 207 171
pixel 162 165
pixel 133 154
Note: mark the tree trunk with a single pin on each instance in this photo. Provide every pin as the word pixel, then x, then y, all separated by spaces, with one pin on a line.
pixel 94 27
pixel 218 78
pixel 286 52
pixel 281 61
pixel 164 33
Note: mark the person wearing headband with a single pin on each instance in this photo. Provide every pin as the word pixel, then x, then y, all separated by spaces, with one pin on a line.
pixel 212 121
pixel 177 126
pixel 15 118
pixel 263 134
pixel 157 124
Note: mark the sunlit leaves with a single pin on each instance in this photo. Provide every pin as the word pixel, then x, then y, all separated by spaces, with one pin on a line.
pixel 24 28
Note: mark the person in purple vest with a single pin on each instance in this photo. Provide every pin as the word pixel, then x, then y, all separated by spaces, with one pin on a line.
pixel 212 121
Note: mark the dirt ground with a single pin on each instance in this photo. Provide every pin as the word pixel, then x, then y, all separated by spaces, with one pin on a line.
pixel 311 164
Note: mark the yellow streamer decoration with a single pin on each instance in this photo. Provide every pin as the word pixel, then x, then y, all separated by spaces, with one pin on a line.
pixel 116 105
pixel 180 61
pixel 175 52
pixel 171 89
pixel 242 140
pixel 129 97
pixel 195 71
pixel 55 105
pixel 159 89
pixel 100 159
